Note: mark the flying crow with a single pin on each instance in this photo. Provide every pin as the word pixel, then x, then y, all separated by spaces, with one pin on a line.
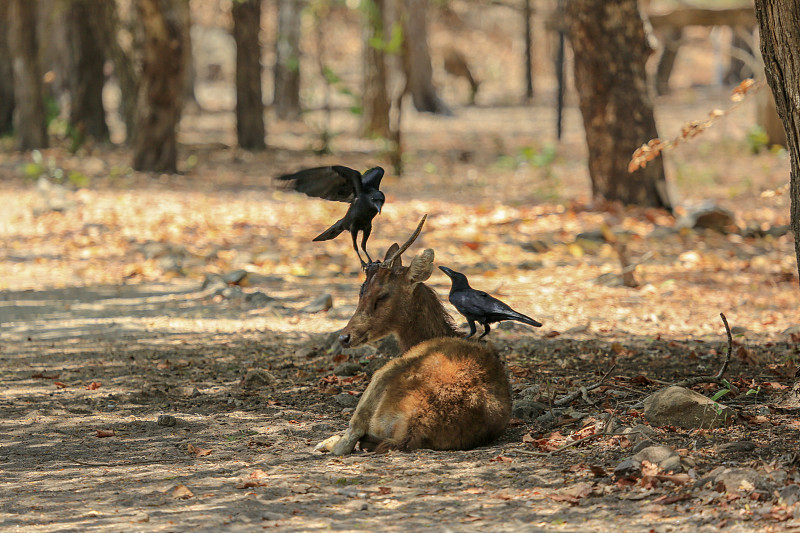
pixel 343 184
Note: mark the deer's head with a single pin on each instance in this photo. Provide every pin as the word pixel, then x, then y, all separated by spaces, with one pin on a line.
pixel 393 298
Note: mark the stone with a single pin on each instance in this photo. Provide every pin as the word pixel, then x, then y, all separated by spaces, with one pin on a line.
pixel 639 433
pixel 237 277
pixel 258 299
pixel 323 303
pixel 257 378
pixel 346 400
pixel 678 406
pixel 527 409
pixel 790 494
pixel 166 421
pixel 740 480
pixel 628 469
pixel 737 447
pixel 347 369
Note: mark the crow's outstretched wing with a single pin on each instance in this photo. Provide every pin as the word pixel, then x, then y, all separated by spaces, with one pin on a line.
pixel 371 180
pixel 337 183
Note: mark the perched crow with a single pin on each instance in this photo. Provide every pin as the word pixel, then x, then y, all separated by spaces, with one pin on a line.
pixel 477 306
pixel 343 184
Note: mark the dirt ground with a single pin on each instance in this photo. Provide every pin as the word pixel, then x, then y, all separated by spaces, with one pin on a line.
pixel 141 394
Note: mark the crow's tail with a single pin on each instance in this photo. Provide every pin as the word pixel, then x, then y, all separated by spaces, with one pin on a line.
pixel 330 233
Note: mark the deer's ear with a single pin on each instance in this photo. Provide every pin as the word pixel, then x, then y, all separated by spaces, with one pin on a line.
pixel 421 267
pixel 391 251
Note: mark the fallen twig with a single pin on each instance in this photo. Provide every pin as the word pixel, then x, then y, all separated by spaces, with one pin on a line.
pixel 717 378
pixel 566 400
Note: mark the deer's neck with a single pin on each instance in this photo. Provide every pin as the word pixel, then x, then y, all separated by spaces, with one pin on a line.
pixel 427 319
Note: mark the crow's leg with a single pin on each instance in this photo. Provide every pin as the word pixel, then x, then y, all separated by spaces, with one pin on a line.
pixel 354 234
pixel 486 330
pixel 364 236
pixel 472 328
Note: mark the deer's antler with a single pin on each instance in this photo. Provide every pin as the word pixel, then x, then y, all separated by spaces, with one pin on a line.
pixel 389 263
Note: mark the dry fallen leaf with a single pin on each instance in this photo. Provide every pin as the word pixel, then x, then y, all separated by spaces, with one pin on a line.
pixel 197 452
pixel 181 492
pixel 105 433
pixel 60 385
pixel 93 385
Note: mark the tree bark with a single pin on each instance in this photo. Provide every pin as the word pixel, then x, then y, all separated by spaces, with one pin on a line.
pixel 417 58
pixel 29 114
pixel 6 75
pixel 611 48
pixel 86 76
pixel 779 27
pixel 161 87
pixel 286 98
pixel 375 97
pixel 249 100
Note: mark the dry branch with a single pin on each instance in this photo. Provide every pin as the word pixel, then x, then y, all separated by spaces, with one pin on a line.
pixel 717 378
pixel 566 400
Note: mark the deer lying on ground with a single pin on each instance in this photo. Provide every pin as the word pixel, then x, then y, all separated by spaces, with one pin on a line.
pixel 444 392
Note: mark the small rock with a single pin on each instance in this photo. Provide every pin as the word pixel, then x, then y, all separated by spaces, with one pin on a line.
pixel 737 447
pixel 678 406
pixel 639 432
pixel 266 515
pixel 237 277
pixel 708 216
pixel 527 409
pixel 166 420
pixel 628 469
pixel 231 293
pixel 323 303
pixel 537 246
pixel 347 369
pixel 257 378
pixel 739 480
pixel 258 299
pixel 141 518
pixel 789 495
pixel 214 281
pixel 656 454
pixel 346 400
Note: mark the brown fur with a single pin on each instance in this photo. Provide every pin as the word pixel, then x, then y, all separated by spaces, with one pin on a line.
pixel 444 392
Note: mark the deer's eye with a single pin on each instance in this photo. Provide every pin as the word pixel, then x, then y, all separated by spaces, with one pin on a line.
pixel 380 299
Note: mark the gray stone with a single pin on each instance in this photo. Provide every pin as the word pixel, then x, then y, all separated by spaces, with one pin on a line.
pixel 347 369
pixel 237 277
pixel 166 420
pixel 527 409
pixel 322 303
pixel 346 400
pixel 678 406
pixel 790 494
pixel 740 480
pixel 257 379
pixel 639 432
pixel 258 299
pixel 737 447
pixel 628 469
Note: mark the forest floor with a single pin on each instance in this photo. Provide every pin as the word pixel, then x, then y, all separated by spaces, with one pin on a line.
pixel 110 317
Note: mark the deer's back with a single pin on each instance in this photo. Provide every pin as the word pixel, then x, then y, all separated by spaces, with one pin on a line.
pixel 447 393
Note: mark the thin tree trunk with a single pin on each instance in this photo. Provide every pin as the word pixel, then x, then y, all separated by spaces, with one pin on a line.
pixel 375 96
pixel 86 79
pixel 779 23
pixel 160 90
pixel 189 72
pixel 672 43
pixel 610 47
pixel 286 98
pixel 106 21
pixel 6 75
pixel 417 59
pixel 29 114
pixel 249 100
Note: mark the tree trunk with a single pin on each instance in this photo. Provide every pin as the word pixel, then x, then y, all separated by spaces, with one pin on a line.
pixel 286 98
pixel 6 76
pixel 29 114
pixel 672 43
pixel 189 72
pixel 779 23
pixel 86 76
pixel 249 101
pixel 610 50
pixel 105 19
pixel 160 88
pixel 417 58
pixel 375 96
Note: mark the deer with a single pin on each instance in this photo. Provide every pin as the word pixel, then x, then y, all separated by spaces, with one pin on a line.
pixel 444 392
pixel 457 66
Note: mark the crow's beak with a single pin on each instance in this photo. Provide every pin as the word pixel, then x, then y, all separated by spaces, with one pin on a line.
pixel 446 271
